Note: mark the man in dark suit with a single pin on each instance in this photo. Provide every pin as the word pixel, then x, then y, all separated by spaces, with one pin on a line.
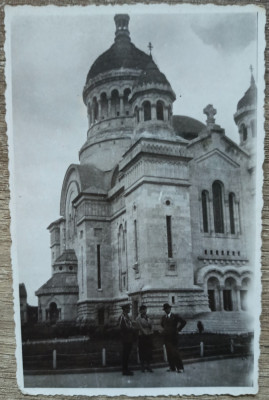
pixel 127 337
pixel 172 324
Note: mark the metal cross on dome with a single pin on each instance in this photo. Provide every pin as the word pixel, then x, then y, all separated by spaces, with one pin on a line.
pixel 150 47
pixel 210 111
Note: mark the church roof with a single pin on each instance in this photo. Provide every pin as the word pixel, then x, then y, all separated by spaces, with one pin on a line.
pixel 151 74
pixel 92 177
pixel 59 283
pixel 122 54
pixel 68 255
pixel 250 97
pixel 90 180
pixel 187 127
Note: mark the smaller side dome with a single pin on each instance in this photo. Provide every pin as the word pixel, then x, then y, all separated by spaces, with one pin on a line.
pixel 250 97
pixel 151 74
pixel 151 78
pixel 187 127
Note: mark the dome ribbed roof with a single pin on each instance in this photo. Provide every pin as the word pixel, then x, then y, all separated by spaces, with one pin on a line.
pixel 187 127
pixel 151 74
pixel 122 54
pixel 68 255
pixel 250 97
pixel 63 283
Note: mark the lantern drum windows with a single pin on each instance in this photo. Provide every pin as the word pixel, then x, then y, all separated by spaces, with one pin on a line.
pixel 147 110
pixel 159 111
pixel 225 215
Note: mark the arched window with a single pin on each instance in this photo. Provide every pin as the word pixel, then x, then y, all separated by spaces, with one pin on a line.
pixel 95 110
pixel 89 110
pixel 115 103
pixel 104 106
pixel 53 312
pixel 204 210
pixel 122 257
pixel 218 207
pixel 213 287
pixel 159 110
pixel 137 114
pixel 147 111
pixel 229 294
pixel 231 212
pixel 244 132
pixel 126 104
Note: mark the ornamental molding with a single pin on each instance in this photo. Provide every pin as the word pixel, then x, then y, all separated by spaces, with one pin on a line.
pixel 222 273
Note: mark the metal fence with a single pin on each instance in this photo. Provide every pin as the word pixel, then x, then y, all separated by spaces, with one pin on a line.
pixel 106 358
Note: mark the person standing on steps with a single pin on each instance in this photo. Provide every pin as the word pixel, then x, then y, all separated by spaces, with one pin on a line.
pixel 145 334
pixel 172 324
pixel 127 337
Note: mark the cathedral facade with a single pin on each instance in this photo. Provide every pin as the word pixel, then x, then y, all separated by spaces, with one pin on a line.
pixel 159 209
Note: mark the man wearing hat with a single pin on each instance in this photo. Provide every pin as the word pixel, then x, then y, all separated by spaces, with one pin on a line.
pixel 127 337
pixel 145 334
pixel 172 324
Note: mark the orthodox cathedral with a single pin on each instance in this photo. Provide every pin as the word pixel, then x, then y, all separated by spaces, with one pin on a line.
pixel 159 208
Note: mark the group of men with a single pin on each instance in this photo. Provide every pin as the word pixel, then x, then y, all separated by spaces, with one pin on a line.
pixel 171 325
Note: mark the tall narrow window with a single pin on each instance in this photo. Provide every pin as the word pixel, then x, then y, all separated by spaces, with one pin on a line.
pixel 204 209
pixel 82 270
pixel 169 236
pixel 99 283
pixel 135 238
pixel 218 207
pixel 147 111
pixel 160 110
pixel 231 211
pixel 95 110
pixel 244 132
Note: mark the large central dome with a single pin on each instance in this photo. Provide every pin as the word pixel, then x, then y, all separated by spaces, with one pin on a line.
pixel 122 54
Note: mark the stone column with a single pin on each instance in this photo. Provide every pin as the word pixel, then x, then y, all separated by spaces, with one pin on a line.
pixel 226 216
pixel 211 225
pixel 99 110
pixel 109 107
pixel 121 105
pixel 165 113
pixel 141 114
pixel 238 299
pixel 221 298
pixel 153 112
pixel 237 217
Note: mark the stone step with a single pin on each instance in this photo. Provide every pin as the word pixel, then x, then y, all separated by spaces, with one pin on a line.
pixel 221 322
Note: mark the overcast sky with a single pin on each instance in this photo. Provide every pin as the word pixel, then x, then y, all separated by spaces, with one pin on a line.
pixel 205 56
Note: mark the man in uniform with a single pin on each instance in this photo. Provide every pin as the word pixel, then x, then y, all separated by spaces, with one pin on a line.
pixel 172 324
pixel 127 337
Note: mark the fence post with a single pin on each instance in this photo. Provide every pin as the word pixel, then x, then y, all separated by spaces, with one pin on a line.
pixel 54 359
pixel 164 353
pixel 137 356
pixel 104 357
pixel 232 345
pixel 201 349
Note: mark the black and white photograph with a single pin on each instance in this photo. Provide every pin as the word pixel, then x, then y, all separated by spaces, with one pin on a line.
pixel 135 140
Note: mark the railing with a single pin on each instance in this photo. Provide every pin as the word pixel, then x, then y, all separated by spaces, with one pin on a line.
pixel 104 358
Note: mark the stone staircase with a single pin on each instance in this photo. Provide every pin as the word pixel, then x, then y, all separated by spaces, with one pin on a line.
pixel 230 322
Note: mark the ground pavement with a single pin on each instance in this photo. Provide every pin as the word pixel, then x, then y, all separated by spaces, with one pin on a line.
pixel 222 372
